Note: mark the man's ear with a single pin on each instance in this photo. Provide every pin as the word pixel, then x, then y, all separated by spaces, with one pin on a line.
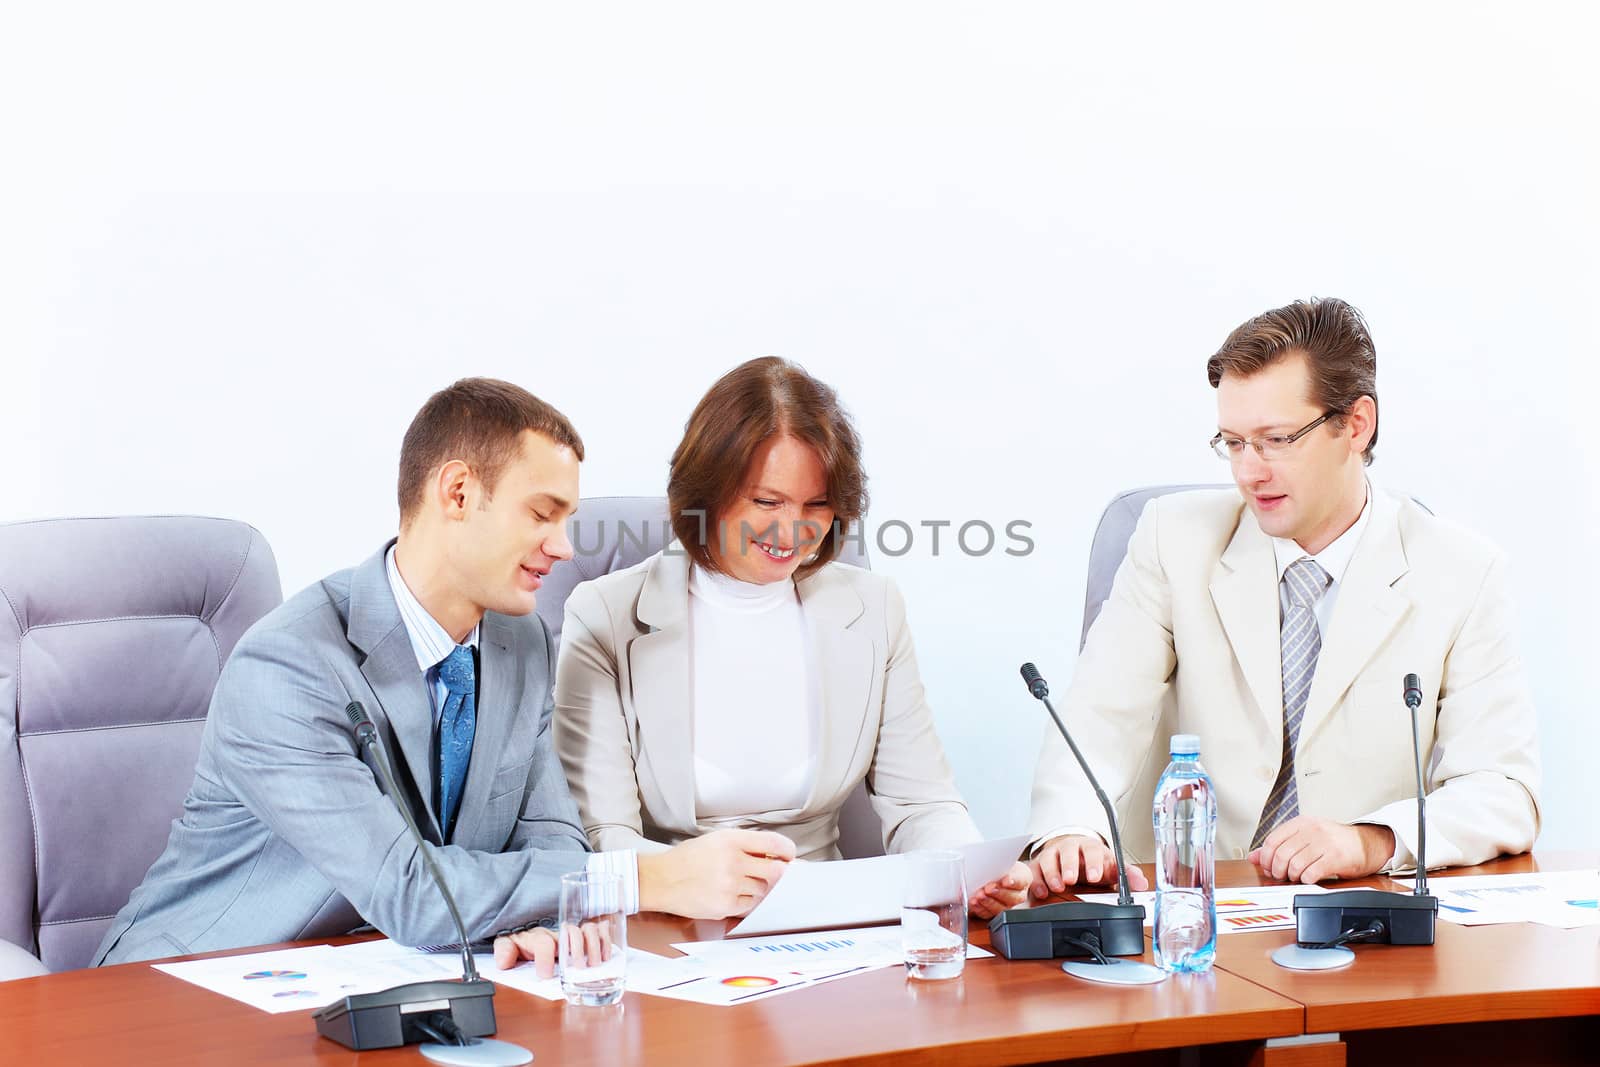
pixel 455 490
pixel 1362 422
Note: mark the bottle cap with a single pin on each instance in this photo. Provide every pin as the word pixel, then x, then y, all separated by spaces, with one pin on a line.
pixel 1185 745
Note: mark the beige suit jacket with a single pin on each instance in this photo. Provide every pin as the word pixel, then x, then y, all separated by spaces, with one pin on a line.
pixel 624 725
pixel 1188 643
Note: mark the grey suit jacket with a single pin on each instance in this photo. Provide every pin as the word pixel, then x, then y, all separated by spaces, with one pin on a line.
pixel 286 833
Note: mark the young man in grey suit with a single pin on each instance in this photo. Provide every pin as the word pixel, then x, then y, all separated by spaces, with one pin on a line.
pixel 1278 622
pixel 286 833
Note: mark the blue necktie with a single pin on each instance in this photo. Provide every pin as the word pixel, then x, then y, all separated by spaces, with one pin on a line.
pixel 458 721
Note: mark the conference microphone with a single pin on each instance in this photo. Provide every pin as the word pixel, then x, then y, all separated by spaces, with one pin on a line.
pixel 1074 928
pixel 1372 916
pixel 449 1012
pixel 1413 699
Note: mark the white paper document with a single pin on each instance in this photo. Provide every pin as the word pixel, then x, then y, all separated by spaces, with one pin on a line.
pixel 846 893
pixel 875 945
pixel 1260 907
pixel 526 978
pixel 706 981
pixel 300 978
pixel 1563 899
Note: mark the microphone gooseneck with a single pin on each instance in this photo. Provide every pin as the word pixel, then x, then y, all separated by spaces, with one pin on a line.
pixel 1413 698
pixel 1041 690
pixel 367 734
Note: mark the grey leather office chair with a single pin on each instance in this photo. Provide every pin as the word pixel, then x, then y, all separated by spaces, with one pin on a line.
pixel 610 533
pixel 1111 544
pixel 112 634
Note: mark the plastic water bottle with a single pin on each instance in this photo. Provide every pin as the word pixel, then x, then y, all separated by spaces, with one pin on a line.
pixel 1185 820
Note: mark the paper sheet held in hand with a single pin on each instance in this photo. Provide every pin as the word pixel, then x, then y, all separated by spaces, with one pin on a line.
pixel 822 896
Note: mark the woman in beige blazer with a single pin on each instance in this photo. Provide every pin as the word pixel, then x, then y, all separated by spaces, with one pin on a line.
pixel 740 677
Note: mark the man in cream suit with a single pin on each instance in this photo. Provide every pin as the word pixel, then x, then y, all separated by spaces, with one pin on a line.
pixel 1278 622
pixel 286 832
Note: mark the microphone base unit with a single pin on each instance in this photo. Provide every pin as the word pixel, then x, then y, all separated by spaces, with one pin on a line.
pixel 1115 972
pixel 1049 932
pixel 394 1017
pixel 478 1052
pixel 1408 919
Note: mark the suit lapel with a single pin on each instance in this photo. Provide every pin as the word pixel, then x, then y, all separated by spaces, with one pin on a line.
pixel 391 669
pixel 498 696
pixel 844 661
pixel 1366 613
pixel 658 673
pixel 1244 588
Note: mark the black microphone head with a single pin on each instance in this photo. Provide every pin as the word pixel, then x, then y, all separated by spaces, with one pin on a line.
pixel 1413 692
pixel 357 713
pixel 1036 683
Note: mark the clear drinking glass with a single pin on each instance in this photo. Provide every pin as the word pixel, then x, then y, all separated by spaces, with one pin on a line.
pixel 593 938
pixel 933 915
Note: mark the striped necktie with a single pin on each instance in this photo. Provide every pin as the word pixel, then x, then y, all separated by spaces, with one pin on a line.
pixel 1299 642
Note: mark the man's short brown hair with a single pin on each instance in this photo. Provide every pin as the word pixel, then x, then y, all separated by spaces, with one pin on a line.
pixel 756 401
pixel 1339 355
pixel 480 422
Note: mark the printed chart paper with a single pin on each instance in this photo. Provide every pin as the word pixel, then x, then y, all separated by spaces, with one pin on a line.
pixel 875 945
pixel 1262 907
pixel 712 982
pixel 293 979
pixel 303 979
pixel 1563 899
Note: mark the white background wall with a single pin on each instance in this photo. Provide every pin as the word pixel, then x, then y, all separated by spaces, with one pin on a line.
pixel 239 247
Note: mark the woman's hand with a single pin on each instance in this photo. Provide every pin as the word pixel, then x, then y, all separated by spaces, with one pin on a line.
pixel 1002 893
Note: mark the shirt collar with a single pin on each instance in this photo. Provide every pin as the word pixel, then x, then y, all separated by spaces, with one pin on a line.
pixel 430 642
pixel 1335 559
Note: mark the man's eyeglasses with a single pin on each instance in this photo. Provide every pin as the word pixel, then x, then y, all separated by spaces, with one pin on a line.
pixel 1269 447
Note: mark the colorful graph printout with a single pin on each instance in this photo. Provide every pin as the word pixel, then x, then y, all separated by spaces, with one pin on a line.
pixel 1247 908
pixel 1563 899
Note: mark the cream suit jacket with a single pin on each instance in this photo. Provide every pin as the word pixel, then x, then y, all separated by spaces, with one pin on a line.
pixel 624 725
pixel 1188 643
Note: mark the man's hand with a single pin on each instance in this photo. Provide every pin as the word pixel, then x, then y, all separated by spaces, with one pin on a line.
pixel 1004 892
pixel 588 944
pixel 1311 850
pixel 538 945
pixel 1064 862
pixel 716 876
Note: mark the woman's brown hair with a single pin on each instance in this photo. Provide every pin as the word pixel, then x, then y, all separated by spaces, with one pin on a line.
pixel 756 401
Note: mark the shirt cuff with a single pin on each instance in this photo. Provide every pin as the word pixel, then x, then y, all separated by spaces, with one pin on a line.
pixel 624 862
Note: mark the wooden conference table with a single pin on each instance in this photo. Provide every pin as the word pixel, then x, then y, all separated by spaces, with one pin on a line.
pixel 1518 994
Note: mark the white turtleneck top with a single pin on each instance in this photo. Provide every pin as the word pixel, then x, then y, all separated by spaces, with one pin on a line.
pixel 756 696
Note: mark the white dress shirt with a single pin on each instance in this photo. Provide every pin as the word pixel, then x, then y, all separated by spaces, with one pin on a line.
pixel 1334 560
pixel 755 694
pixel 432 643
